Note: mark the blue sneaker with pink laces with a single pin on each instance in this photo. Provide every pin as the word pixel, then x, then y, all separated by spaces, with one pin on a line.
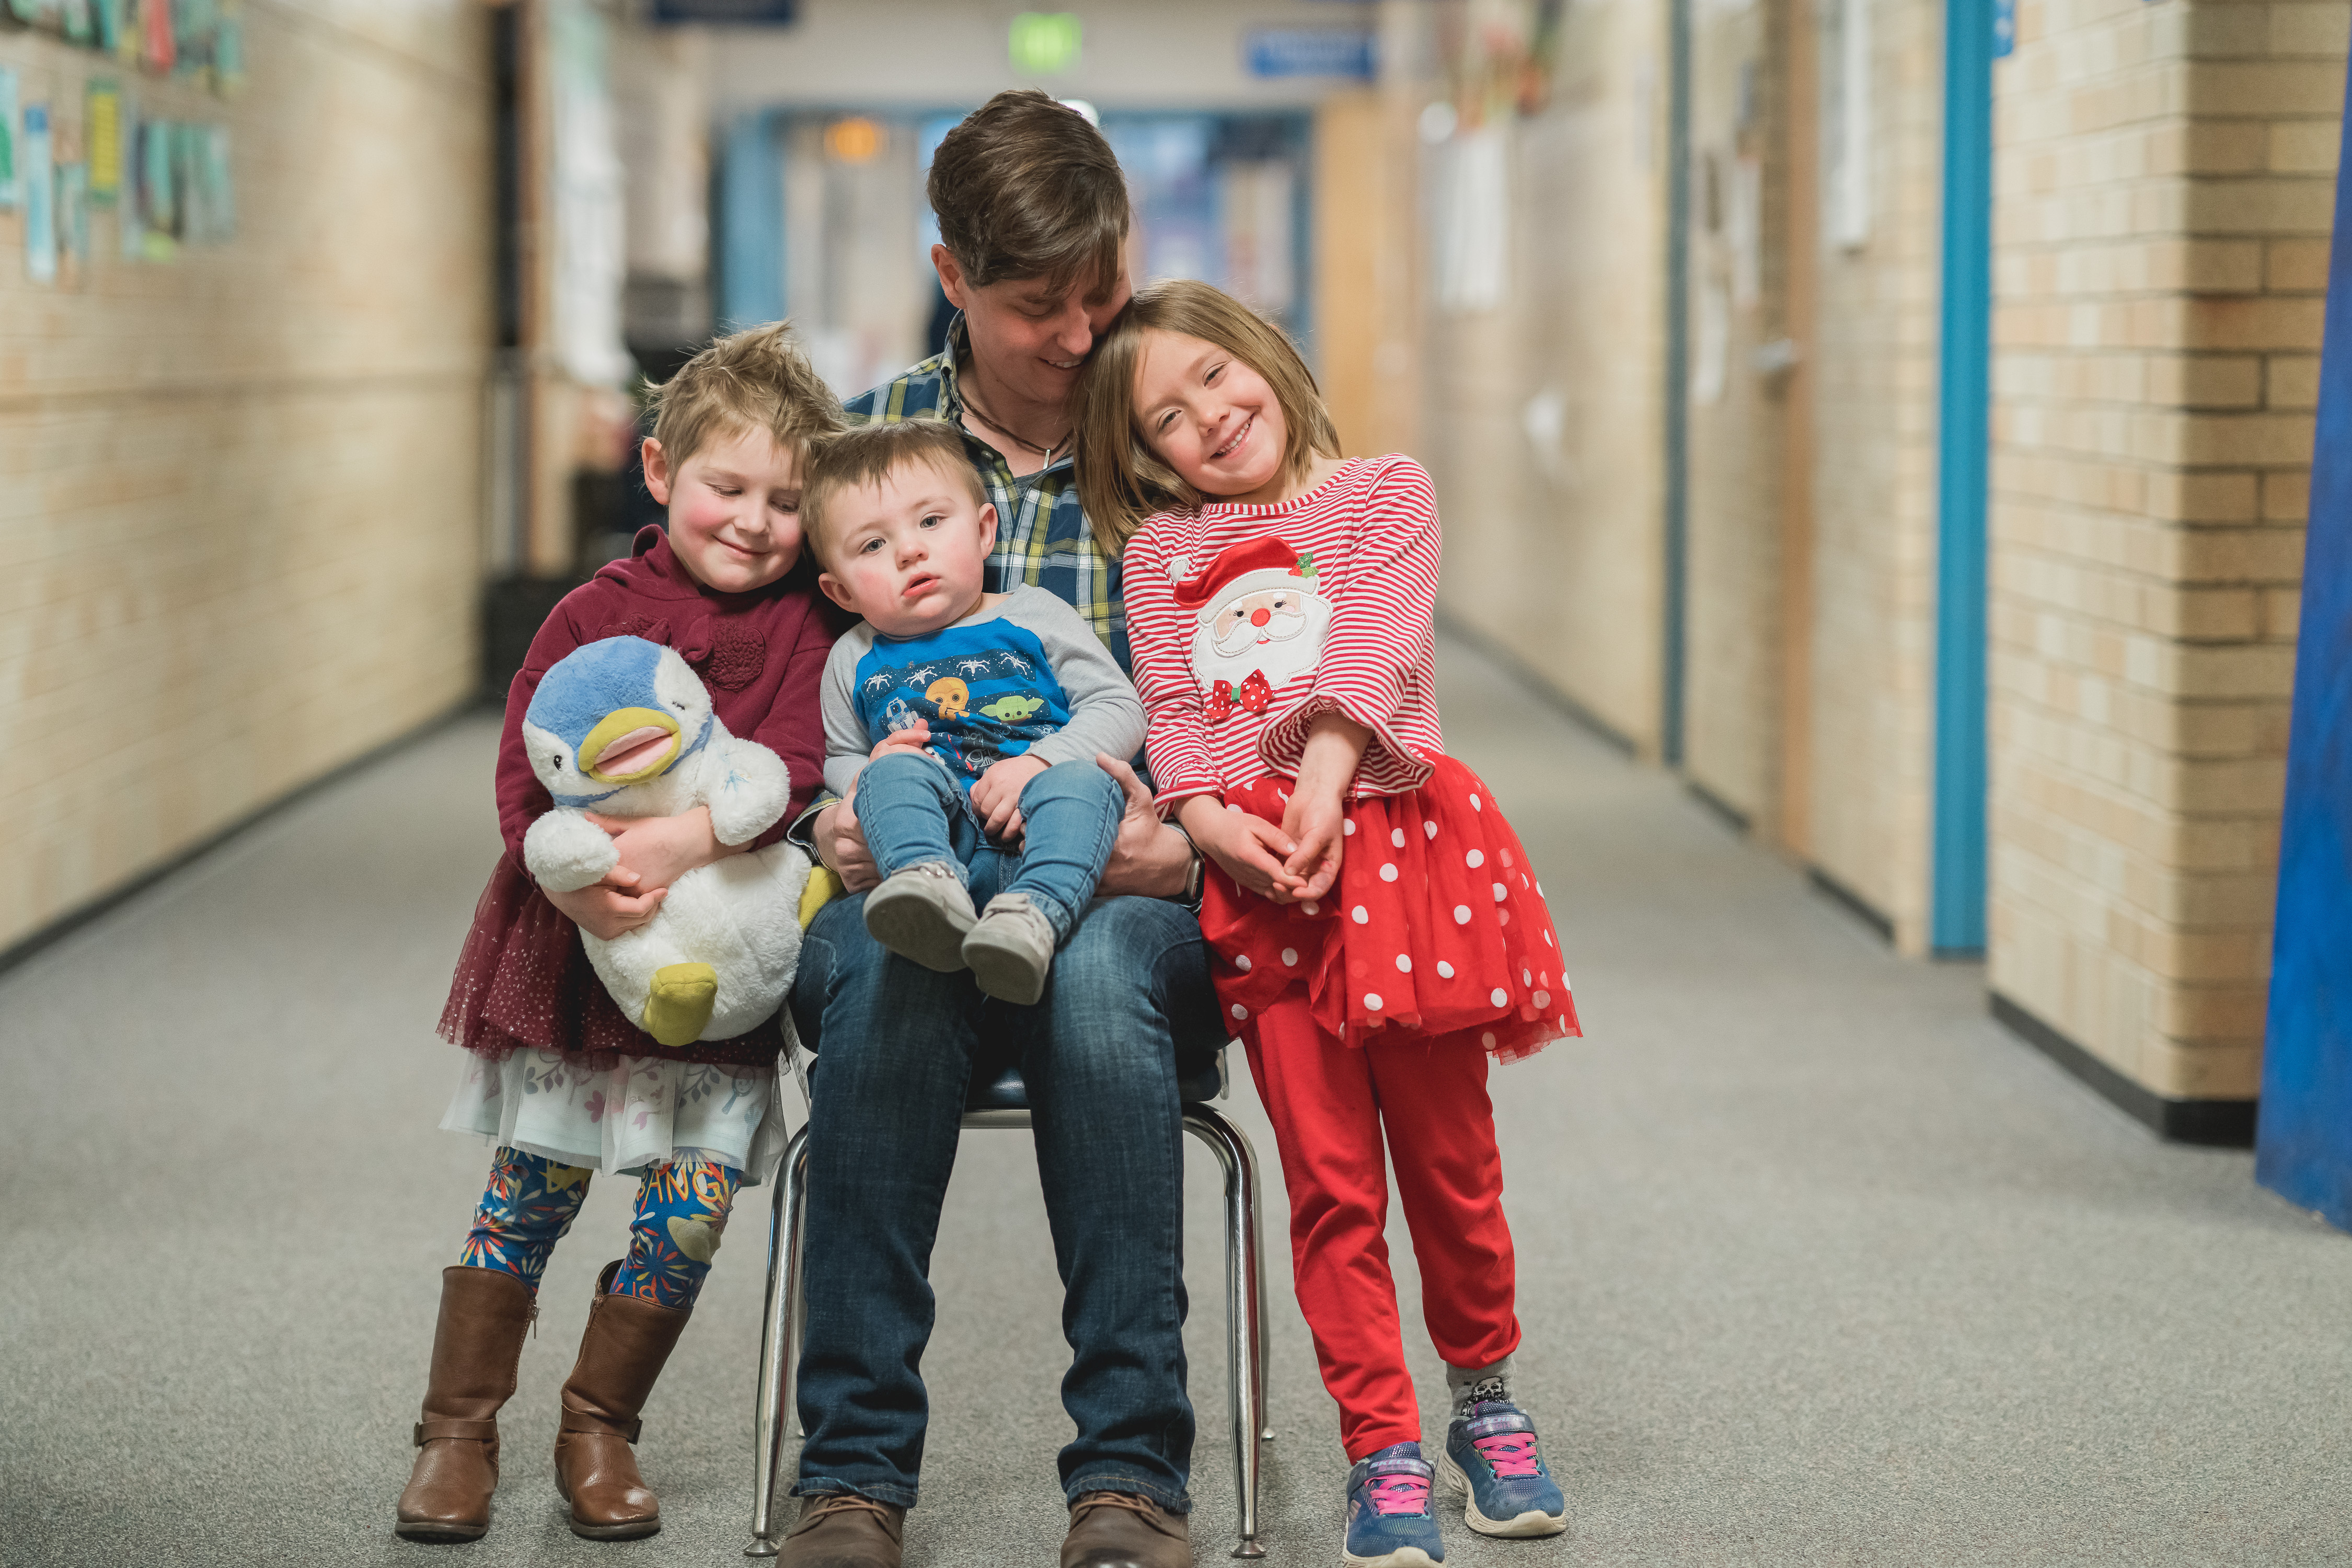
pixel 1492 1456
pixel 1389 1524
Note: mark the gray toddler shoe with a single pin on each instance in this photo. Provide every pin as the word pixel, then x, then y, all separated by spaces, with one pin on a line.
pixel 921 913
pixel 1010 950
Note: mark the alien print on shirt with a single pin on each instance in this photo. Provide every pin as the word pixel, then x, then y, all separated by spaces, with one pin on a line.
pixel 987 691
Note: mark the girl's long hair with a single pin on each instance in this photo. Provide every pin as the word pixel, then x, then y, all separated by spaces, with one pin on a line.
pixel 1120 480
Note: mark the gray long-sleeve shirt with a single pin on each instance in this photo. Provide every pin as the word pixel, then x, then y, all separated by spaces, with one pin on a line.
pixel 1025 677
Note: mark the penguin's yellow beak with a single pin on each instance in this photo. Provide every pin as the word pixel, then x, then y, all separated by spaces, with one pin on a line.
pixel 629 745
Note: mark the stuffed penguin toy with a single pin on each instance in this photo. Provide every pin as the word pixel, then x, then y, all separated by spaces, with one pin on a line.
pixel 624 728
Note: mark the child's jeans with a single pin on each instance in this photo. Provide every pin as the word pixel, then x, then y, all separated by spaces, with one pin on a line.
pixel 912 813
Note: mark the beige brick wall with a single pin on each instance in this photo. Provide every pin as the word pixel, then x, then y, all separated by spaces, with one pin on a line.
pixel 1553 547
pixel 2164 183
pixel 243 489
pixel 1874 496
pixel 1732 686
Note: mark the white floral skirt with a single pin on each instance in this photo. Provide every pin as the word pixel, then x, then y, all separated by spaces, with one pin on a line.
pixel 643 1113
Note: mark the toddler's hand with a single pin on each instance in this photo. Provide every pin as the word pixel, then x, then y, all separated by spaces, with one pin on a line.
pixel 607 911
pixel 1317 821
pixel 996 794
pixel 913 738
pixel 1249 848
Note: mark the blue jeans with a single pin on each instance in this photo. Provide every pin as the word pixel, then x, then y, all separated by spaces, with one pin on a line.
pixel 898 1046
pixel 912 811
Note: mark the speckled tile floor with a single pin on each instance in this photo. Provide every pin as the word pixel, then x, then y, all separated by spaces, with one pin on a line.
pixel 1817 1265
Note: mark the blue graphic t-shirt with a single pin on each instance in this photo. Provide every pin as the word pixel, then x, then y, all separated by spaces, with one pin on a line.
pixel 1023 676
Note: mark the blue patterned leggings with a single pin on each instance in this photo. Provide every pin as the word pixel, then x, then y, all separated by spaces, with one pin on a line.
pixel 530 1202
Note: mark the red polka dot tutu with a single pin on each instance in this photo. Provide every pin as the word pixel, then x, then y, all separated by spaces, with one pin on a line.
pixel 1436 928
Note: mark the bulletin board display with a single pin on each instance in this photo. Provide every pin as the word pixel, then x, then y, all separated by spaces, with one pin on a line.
pixel 101 144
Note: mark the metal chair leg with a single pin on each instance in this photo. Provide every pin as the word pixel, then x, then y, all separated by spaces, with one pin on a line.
pixel 1244 1325
pixel 779 1343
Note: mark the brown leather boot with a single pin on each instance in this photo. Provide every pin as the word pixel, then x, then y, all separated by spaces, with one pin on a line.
pixel 477 1346
pixel 844 1532
pixel 1117 1530
pixel 622 1351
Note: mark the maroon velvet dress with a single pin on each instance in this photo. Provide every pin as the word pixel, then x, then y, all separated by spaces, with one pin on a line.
pixel 523 980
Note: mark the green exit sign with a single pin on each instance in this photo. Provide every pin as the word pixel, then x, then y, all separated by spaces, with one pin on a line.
pixel 1044 43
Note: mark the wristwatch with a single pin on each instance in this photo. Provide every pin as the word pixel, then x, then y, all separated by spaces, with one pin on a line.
pixel 1195 874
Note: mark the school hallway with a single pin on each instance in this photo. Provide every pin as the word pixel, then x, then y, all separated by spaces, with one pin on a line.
pixel 1817 1263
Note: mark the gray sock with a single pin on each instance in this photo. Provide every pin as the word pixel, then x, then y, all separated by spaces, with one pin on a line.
pixel 1465 1386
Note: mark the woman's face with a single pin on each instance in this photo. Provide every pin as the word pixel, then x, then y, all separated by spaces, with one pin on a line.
pixel 1027 343
pixel 1208 413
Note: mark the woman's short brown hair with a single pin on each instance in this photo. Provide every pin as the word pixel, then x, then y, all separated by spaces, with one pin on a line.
pixel 1027 188
pixel 1121 480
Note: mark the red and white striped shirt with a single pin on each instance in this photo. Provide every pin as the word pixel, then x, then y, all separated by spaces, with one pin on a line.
pixel 1349 630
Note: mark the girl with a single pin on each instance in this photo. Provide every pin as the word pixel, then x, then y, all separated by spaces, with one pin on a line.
pixel 559 1079
pixel 1379 931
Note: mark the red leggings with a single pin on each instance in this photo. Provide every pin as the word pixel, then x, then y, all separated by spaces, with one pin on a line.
pixel 1330 1104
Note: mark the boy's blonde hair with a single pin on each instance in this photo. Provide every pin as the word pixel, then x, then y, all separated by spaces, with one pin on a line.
pixel 867 455
pixel 756 379
pixel 1121 480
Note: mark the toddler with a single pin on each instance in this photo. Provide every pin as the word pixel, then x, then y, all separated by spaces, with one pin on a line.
pixel 1378 933
pixel 966 723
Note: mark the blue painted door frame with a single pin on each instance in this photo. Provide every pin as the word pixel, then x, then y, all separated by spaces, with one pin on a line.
pixel 749 217
pixel 2303 1139
pixel 1955 916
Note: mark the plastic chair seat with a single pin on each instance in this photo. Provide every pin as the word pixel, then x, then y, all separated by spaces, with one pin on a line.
pixel 1003 1090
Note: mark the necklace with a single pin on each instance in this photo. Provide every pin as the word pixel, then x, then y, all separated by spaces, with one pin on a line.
pixel 1014 436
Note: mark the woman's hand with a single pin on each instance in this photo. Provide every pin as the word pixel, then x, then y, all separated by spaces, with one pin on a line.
pixel 1148 859
pixel 607 911
pixel 1248 847
pixel 841 845
pixel 657 850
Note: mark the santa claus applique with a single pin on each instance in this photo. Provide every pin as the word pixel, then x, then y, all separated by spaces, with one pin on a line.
pixel 1260 623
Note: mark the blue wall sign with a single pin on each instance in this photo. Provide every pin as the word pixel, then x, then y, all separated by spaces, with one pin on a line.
pixel 1311 51
pixel 2303 1142
pixel 769 13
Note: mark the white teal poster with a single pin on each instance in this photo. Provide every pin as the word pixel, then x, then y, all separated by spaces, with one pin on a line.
pixel 8 138
pixel 38 179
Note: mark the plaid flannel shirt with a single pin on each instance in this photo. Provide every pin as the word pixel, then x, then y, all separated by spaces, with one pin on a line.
pixel 1042 535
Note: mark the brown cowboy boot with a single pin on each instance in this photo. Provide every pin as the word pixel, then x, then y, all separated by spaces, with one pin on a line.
pixel 844 1531
pixel 477 1346
pixel 1116 1530
pixel 622 1351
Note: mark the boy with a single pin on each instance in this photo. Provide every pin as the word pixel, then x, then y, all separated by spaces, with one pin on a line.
pixel 967 722
pixel 550 1053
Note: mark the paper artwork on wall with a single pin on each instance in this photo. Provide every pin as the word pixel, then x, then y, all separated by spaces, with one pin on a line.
pixel 73 224
pixel 10 136
pixel 102 127
pixel 131 228
pixel 38 181
pixel 159 204
pixel 156 52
